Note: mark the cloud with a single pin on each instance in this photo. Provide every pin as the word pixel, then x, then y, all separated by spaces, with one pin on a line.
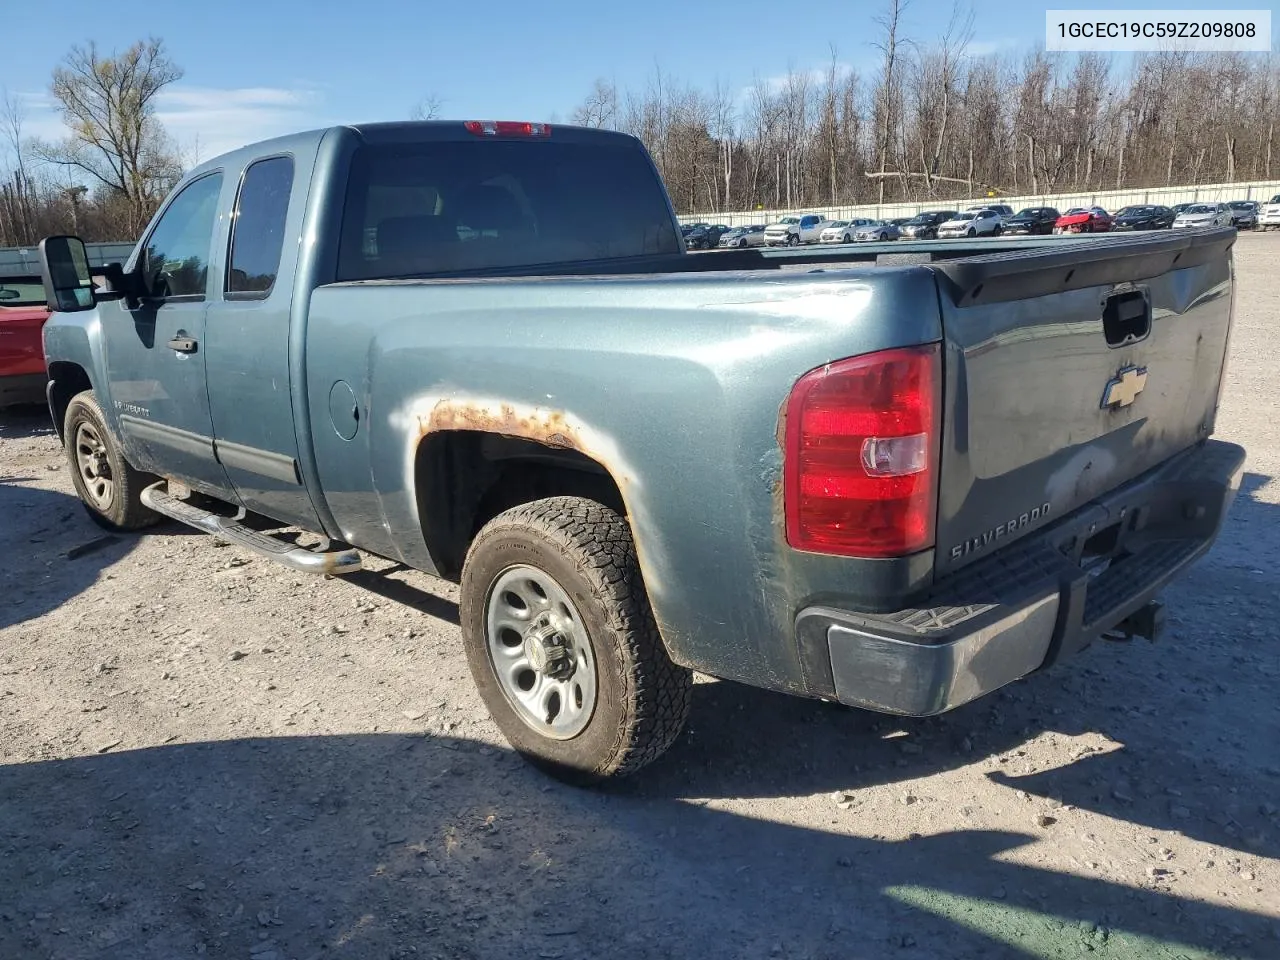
pixel 777 83
pixel 208 121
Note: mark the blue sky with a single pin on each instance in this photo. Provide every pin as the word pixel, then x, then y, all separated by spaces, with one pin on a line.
pixel 257 68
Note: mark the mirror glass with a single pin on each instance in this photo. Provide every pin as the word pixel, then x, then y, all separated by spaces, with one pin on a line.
pixel 67 283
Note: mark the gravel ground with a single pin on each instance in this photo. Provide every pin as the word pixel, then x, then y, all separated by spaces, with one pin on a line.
pixel 203 754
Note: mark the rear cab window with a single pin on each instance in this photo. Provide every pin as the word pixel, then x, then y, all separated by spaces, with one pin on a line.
pixel 449 206
pixel 257 236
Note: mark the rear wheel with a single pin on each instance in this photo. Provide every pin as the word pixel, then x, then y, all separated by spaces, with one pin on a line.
pixel 108 487
pixel 562 643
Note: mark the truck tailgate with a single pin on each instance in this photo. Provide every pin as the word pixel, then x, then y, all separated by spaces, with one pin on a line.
pixel 1069 370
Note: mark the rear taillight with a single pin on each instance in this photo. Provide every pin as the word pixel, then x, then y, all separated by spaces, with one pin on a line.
pixel 861 443
pixel 507 128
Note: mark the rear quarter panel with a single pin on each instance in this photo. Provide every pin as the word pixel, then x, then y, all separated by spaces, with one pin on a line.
pixel 672 383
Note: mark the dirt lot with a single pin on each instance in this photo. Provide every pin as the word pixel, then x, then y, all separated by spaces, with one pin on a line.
pixel 202 754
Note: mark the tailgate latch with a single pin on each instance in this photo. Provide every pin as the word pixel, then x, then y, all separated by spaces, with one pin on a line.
pixel 1126 317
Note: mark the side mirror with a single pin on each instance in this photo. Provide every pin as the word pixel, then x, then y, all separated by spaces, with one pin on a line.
pixel 64 266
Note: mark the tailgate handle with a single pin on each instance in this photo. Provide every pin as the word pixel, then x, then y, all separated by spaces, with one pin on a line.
pixel 1126 317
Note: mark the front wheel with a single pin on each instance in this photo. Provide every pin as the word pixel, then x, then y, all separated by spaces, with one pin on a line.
pixel 971 233
pixel 995 231
pixel 108 487
pixel 562 643
pixel 793 240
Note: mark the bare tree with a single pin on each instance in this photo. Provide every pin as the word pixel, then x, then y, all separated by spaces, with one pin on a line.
pixel 599 109
pixel 428 108
pixel 887 94
pixel 108 104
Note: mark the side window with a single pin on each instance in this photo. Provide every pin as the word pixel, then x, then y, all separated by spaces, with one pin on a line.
pixel 175 261
pixel 257 228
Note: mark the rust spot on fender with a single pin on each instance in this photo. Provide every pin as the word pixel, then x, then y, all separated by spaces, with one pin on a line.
pixel 549 427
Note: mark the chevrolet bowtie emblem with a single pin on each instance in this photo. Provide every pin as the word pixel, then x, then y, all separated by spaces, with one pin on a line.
pixel 1124 387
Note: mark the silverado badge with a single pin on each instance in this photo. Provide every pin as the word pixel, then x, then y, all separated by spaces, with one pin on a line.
pixel 1124 387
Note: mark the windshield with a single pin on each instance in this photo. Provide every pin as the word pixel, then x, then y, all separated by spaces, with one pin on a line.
pixel 789 220
pixel 24 292
pixel 1029 212
pixel 1136 211
pixel 836 224
pixel 1075 210
pixel 1199 208
pixel 964 216
pixel 1241 205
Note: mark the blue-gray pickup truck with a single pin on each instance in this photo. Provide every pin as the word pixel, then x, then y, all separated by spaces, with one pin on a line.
pixel 896 477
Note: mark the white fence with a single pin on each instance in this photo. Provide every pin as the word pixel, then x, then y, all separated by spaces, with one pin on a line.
pixel 1111 200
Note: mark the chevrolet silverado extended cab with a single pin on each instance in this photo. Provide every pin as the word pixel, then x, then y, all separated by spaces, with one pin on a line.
pixel 897 476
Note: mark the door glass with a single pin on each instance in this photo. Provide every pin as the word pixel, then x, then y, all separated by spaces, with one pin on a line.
pixel 257 232
pixel 176 258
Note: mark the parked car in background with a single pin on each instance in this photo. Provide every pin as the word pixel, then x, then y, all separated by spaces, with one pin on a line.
pixel 703 236
pixel 971 223
pixel 877 230
pixel 1003 210
pixel 900 222
pixel 694 234
pixel 1204 215
pixel 791 231
pixel 1143 217
pixel 1244 214
pixel 1177 208
pixel 841 231
pixel 22 317
pixel 1083 220
pixel 1269 215
pixel 1031 221
pixel 924 226
pixel 749 236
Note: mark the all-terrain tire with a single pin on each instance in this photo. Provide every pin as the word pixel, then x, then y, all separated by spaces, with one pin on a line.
pixel 111 496
pixel 642 698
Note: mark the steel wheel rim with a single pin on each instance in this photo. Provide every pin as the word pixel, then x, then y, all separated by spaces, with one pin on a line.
pixel 524 606
pixel 94 466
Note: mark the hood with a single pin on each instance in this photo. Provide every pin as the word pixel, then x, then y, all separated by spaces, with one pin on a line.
pixel 1069 218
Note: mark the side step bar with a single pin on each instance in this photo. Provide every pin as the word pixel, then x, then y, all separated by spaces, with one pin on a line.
pixel 334 562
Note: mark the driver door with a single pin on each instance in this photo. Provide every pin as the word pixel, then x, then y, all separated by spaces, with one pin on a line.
pixel 154 345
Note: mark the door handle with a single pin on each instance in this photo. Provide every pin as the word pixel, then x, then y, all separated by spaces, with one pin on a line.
pixel 183 344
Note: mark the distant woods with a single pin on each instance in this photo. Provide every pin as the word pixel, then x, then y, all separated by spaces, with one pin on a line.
pixel 919 121
pixel 908 118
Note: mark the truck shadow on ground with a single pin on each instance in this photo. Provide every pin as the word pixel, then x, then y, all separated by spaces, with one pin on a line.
pixel 56 552
pixel 1182 735
pixel 26 420
pixel 404 846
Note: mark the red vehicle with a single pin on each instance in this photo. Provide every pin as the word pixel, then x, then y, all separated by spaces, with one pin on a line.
pixel 1083 220
pixel 22 316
